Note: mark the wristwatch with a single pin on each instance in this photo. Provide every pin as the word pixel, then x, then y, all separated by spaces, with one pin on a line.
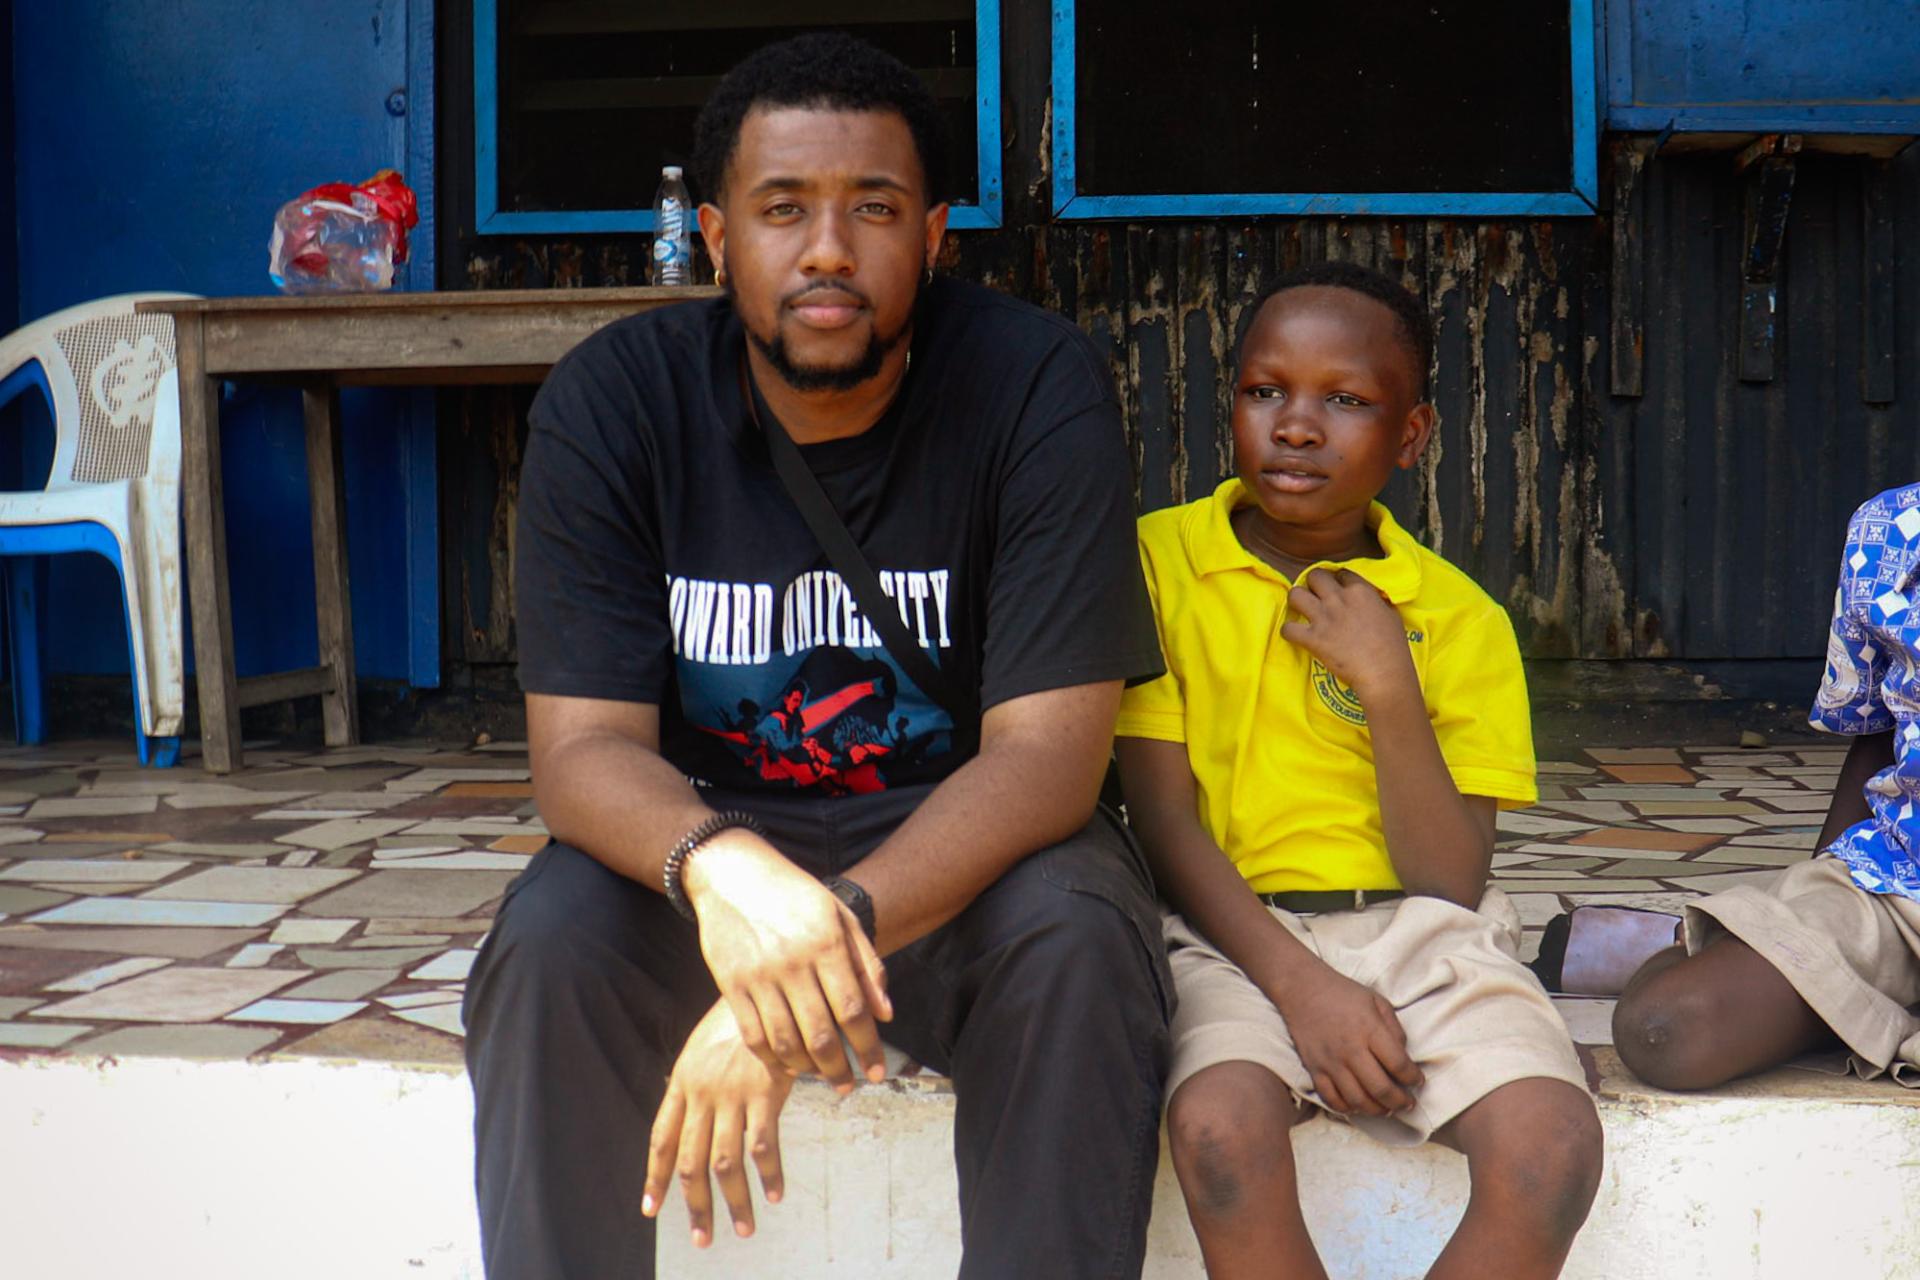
pixel 856 900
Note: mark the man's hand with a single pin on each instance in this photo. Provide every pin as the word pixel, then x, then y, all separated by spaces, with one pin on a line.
pixel 722 1105
pixel 790 960
pixel 1350 1042
pixel 1355 632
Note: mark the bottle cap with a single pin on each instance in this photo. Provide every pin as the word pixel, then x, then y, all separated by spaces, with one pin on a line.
pixel 671 171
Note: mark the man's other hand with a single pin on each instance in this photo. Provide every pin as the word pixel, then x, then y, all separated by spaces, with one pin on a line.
pixel 790 960
pixel 722 1106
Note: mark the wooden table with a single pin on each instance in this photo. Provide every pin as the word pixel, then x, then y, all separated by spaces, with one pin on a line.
pixel 321 344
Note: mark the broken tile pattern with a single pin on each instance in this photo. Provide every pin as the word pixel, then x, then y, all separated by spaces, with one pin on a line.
pixel 371 918
pixel 23 1035
pixel 176 994
pixel 140 911
pixel 299 1012
pixel 356 870
pixel 252 884
pixel 106 974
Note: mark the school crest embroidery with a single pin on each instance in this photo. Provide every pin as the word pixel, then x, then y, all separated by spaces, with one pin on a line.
pixel 1339 698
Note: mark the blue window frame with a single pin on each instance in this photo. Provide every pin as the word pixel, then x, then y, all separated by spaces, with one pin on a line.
pixel 1578 199
pixel 491 219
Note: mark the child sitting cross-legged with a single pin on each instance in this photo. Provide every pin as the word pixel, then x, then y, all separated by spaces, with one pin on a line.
pixel 1315 780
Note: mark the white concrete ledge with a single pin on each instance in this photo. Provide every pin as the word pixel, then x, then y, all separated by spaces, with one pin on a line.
pixel 295 1169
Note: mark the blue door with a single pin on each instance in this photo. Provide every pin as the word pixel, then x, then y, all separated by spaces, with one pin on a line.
pixel 153 144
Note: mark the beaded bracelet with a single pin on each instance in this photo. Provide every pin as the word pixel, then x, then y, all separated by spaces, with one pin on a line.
pixel 670 871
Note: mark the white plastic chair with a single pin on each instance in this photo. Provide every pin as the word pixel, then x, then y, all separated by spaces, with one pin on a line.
pixel 108 376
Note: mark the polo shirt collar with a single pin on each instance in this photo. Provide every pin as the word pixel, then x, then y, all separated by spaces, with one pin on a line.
pixel 1212 546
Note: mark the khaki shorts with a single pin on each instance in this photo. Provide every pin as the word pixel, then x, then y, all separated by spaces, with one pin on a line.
pixel 1853 956
pixel 1475 1017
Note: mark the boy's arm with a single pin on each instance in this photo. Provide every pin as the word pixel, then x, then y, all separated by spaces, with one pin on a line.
pixel 1348 1037
pixel 1440 841
pixel 1869 754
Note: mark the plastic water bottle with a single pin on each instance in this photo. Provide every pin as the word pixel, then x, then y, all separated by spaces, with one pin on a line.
pixel 672 231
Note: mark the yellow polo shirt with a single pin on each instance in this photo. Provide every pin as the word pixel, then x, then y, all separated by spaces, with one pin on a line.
pixel 1278 745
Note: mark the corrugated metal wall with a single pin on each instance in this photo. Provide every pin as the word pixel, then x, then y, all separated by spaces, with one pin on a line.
pixel 1728 499
pixel 1699 520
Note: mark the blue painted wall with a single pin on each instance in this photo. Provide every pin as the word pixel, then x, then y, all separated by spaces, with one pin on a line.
pixel 153 143
pixel 1842 66
pixel 9 257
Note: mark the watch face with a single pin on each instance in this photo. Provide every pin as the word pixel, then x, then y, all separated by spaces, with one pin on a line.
pixel 856 900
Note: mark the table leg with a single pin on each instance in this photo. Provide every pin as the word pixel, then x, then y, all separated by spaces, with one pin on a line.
pixel 206 550
pixel 332 598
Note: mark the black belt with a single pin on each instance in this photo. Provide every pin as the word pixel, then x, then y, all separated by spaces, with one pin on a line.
pixel 1306 902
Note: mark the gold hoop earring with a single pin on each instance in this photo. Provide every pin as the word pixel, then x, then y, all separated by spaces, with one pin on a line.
pixel 929 279
pixel 720 277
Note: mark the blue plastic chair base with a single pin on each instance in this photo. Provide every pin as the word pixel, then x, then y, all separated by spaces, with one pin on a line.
pixel 26 572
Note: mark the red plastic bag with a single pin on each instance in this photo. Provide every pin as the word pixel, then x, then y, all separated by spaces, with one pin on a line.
pixel 342 239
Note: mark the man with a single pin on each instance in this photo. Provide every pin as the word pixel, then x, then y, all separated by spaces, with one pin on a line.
pixel 978 912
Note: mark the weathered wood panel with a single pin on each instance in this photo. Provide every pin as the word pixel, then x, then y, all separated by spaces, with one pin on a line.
pixel 1646 506
pixel 484 436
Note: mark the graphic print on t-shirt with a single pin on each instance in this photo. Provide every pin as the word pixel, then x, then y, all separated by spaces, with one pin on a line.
pixel 798 686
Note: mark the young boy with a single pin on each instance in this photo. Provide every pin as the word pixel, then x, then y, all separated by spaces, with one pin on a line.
pixel 1830 949
pixel 1315 780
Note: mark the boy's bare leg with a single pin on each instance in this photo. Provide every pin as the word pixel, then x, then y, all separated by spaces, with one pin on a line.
pixel 1229 1128
pixel 1692 1022
pixel 1533 1150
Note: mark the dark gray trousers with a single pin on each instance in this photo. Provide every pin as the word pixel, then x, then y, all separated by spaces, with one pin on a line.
pixel 1046 1001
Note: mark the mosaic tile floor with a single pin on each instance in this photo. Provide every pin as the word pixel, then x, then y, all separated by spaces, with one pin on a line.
pixel 329 903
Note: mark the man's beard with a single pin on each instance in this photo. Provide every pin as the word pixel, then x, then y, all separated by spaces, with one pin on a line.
pixel 826 378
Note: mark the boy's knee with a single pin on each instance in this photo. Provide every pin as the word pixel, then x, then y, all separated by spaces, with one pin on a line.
pixel 1663 1032
pixel 1546 1154
pixel 1571 1172
pixel 1228 1132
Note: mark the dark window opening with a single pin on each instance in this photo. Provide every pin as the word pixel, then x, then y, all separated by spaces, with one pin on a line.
pixel 1362 96
pixel 594 96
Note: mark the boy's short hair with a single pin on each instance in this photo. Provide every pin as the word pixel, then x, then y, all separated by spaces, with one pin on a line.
pixel 1416 326
pixel 828 70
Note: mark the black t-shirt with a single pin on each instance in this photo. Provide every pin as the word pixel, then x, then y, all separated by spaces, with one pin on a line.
pixel 660 560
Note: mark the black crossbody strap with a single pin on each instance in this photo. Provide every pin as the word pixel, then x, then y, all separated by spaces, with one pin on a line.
pixel 844 554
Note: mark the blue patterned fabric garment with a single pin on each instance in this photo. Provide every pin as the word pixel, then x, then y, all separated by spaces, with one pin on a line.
pixel 1873 685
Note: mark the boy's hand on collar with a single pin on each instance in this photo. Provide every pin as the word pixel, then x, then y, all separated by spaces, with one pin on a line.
pixel 1356 633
